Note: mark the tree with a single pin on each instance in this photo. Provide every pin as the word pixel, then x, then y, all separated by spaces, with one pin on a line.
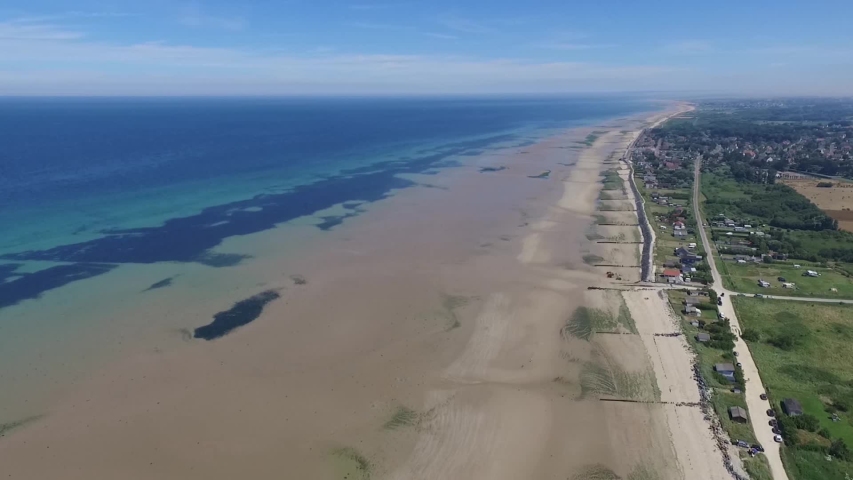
pixel 751 335
pixel 839 450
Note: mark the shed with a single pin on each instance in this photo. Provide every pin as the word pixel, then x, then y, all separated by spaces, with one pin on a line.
pixel 724 368
pixel 692 300
pixel 703 337
pixel 792 407
pixel 691 310
pixel 738 414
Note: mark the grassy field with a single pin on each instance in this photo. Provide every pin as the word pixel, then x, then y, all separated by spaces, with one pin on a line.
pixel 805 351
pixel 744 278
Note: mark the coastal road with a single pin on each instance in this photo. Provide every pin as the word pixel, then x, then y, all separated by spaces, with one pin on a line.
pixel 799 299
pixel 754 387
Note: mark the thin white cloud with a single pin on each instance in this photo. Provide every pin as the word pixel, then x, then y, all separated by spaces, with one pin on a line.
pixel 378 26
pixel 443 36
pixel 35 28
pixel 689 47
pixel 376 6
pixel 77 66
pixel 574 46
pixel 464 25
pixel 193 16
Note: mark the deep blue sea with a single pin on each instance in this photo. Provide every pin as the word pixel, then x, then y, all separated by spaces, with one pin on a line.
pixel 91 184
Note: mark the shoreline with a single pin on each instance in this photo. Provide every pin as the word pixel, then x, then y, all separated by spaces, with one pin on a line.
pixel 447 305
pixel 700 452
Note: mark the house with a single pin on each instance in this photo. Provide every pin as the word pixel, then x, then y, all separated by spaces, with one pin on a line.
pixel 738 414
pixel 792 407
pixel 763 284
pixel 672 276
pixel 671 273
pixel 727 370
pixel 703 337
pixel 729 223
pixel 691 310
pixel 678 225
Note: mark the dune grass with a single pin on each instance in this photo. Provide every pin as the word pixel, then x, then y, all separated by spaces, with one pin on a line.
pixel 591 259
pixel 350 464
pixel 7 428
pixel 403 417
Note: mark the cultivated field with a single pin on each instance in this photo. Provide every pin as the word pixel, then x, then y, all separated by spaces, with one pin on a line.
pixel 836 201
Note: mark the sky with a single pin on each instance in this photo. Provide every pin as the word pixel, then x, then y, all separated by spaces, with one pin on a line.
pixel 435 47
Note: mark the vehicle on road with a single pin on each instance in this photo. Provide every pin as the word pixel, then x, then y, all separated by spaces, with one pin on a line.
pixel 758 295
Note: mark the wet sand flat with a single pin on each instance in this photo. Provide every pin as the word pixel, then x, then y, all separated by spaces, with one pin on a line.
pixel 422 340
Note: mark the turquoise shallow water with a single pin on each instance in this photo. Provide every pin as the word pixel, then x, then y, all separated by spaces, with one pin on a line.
pixel 91 185
pixel 100 199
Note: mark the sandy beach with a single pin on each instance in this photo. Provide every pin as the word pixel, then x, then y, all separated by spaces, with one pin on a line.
pixel 448 332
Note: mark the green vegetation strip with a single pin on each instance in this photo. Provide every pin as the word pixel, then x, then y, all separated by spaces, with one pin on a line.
pixel 805 352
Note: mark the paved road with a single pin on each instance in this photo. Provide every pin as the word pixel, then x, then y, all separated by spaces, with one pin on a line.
pixel 801 299
pixel 754 387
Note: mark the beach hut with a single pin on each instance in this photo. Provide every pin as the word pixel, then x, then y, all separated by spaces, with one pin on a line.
pixel 738 414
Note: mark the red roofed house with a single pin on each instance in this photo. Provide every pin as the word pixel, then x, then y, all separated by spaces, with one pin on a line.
pixel 672 275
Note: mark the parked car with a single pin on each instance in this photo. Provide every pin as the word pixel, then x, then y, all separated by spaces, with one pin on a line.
pixel 739 364
pixel 777 438
pixel 770 412
pixel 781 279
pixel 741 443
pixel 734 352
pixel 776 430
pixel 757 447
pixel 763 396
pixel 773 422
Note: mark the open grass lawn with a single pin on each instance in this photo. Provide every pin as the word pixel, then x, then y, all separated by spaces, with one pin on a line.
pixel 816 368
pixel 744 278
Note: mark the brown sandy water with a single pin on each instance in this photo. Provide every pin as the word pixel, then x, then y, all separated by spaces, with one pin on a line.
pixel 425 343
